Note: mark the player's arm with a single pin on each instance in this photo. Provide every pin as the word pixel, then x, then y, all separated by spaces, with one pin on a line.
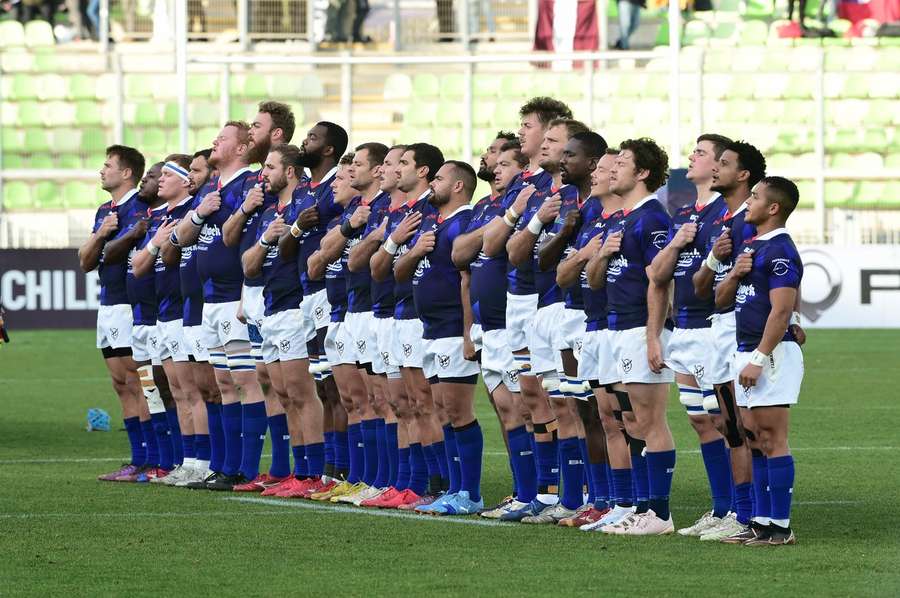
pixel 551 251
pixel 89 253
pixel 362 253
pixel 188 230
pixel 569 270
pixel 231 230
pixel 145 259
pixel 521 245
pixel 727 289
pixel 316 265
pixel 468 318
pixel 597 265
pixel 783 300
pixel 252 259
pixel 332 245
pixel 657 307
pixel 382 260
pixel 289 244
pixel 407 263
pixel 467 246
pixel 117 250
pixel 498 230
pixel 704 277
pixel 171 251
pixel 662 268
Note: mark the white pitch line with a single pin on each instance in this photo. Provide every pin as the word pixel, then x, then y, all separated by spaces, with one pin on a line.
pixel 361 511
pixel 147 514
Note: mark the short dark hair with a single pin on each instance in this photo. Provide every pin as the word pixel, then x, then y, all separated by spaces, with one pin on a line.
pixel 783 192
pixel 129 158
pixel 399 146
pixel 425 154
pixel 650 157
pixel 593 143
pixel 243 130
pixel 206 153
pixel 182 160
pixel 346 159
pixel 749 159
pixel 290 156
pixel 508 135
pixel 546 109
pixel 515 146
pixel 720 142
pixel 377 152
pixel 282 117
pixel 612 151
pixel 573 127
pixel 335 136
pixel 466 174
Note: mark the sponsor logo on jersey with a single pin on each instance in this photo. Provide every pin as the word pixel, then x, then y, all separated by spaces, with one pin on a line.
pixel 208 234
pixel 744 292
pixel 616 267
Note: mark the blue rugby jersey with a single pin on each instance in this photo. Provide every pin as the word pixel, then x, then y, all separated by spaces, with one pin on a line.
pixel 191 287
pixel 590 209
pixel 382 293
pixel 595 301
pixel 487 291
pixel 321 196
pixel 645 230
pixel 520 280
pixel 776 264
pixel 740 231
pixel 404 305
pixel 219 266
pixel 336 274
pixel 167 279
pixel 249 234
pixel 689 310
pixel 436 282
pixel 282 290
pixel 142 291
pixel 112 276
pixel 359 284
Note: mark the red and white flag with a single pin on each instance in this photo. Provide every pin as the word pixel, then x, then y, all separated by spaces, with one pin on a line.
pixel 566 25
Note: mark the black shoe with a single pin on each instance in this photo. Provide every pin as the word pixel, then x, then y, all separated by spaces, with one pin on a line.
pixel 223 482
pixel 362 39
pixel 201 485
pixel 781 536
pixel 761 534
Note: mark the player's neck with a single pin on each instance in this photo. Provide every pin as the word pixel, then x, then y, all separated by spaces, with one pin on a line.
pixel 557 179
pixel 451 206
pixel 286 194
pixel 398 198
pixel 493 187
pixel 118 193
pixel 228 171
pixel 533 165
pixel 633 197
pixel 611 203
pixel 369 193
pixel 174 202
pixel 155 201
pixel 318 173
pixel 768 226
pixel 704 193
pixel 736 198
pixel 584 189
pixel 418 190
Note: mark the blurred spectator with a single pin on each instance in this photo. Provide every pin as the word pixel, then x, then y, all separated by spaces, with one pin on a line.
pixel 445 20
pixel 477 8
pixel 629 19
pixel 28 10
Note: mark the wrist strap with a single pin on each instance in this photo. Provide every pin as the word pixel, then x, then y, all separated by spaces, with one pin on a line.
pixel 243 211
pixel 264 243
pixel 197 219
pixel 758 358
pixel 712 263
pixel 535 226
pixel 795 319
pixel 152 248
pixel 510 220
pixel 173 239
pixel 295 231
pixel 390 246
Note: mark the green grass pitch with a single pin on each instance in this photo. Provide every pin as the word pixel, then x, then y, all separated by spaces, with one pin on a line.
pixel 64 533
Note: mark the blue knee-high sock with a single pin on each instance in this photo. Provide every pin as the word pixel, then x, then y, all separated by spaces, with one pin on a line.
pixel 571 472
pixel 136 440
pixel 383 469
pixel 743 503
pixel 341 454
pixel 600 479
pixel 718 470
pixel 453 465
pixel 188 441
pixel 641 481
pixel 151 445
pixel 587 473
pixel 216 436
pixel 231 424
pixel 418 468
pixel 402 481
pixel 522 451
pixel 512 473
pixel 440 453
pixel 470 445
pixel 281 446
pixel 370 451
pixel 329 448
pixel 436 466
pixel 623 487
pixel 661 468
pixel 201 447
pixel 163 440
pixel 547 466
pixel 781 487
pixel 357 460
pixel 393 453
pixel 315 459
pixel 300 468
pixel 175 436
pixel 762 501
pixel 253 431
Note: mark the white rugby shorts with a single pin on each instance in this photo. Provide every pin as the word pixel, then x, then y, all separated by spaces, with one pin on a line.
pixel 316 313
pixel 381 364
pixel 193 336
pixel 172 343
pixel 688 352
pixel 545 334
pixel 145 344
pixel 723 346
pixel 629 349
pixel 254 305
pixel 114 324
pixel 221 326
pixel 360 327
pixel 497 364
pixel 283 337
pixel 339 345
pixel 779 383
pixel 406 343
pixel 443 358
pixel 597 361
pixel 520 310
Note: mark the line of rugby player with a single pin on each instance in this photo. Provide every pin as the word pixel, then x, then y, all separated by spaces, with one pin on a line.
pixel 347 304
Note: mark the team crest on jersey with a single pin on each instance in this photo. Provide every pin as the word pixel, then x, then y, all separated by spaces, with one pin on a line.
pixel 513 376
pixel 174 346
pixel 319 312
pixel 444 361
pixel 578 346
pixel 744 292
pixel 698 372
pixel 781 266
pixel 407 349
pixel 114 333
pixel 626 365
pixel 226 327
pixel 285 346
pixel 659 238
pixel 339 345
pixel 361 346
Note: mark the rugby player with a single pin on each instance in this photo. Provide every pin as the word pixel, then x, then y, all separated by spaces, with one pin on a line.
pixel 441 301
pixel 693 227
pixel 763 285
pixel 636 313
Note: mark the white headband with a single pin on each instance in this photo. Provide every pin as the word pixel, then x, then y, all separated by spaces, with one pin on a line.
pixel 176 170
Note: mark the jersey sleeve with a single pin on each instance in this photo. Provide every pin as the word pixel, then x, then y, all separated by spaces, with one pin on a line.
pixel 654 235
pixel 783 269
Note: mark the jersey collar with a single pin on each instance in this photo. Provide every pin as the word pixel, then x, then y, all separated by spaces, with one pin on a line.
pixel 182 202
pixel 740 209
pixel 223 184
pixel 647 199
pixel 527 174
pixel 461 208
pixel 698 208
pixel 327 176
pixel 125 198
pixel 772 233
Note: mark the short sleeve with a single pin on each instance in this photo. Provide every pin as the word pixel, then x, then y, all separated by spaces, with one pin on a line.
pixel 784 269
pixel 654 235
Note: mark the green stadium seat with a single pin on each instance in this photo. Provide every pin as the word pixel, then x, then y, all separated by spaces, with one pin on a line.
pixel 204 114
pixel 891 197
pixel 286 87
pixel 449 114
pixel 78 194
pixel 47 196
pixel 94 160
pixel 68 161
pixel 724 34
pixel 138 87
pixel 423 114
pixel 869 194
pixel 856 86
pixel 771 86
pixel 452 86
pixel 486 86
pixel 249 85
pixel 780 160
pixel 807 191
pixel 40 161
pixel 202 86
pixel 46 60
pixel 240 111
pixel 451 141
pixel 155 142
pixel 696 33
pixel 483 116
pixel 635 84
pixel 95 141
pixel 662 34
pixel 844 140
pixel 59 114
pixel 758 8
pixel 513 86
pixel 17 196
pixel 206 135
pixel 30 114
pixel 892 161
pixel 13 161
pixel 799 87
pixel 883 85
pixel 793 140
pixel 82 87
pixel 798 111
pixel 839 194
pixel 867 162
pixel 67 141
pixel 16 60
pixel 131 137
pixel 425 85
pixel 874 140
pixel 171 114
pixel 398 86
pixel 889 59
pixel 753 33
pixel 39 33
pixel 24 87
pixel 164 87
pixel 12 139
pixel 12 34
pixel 144 114
pixel 88 113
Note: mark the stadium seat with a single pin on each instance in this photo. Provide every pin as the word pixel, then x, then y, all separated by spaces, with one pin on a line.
pixel 68 161
pixel 839 194
pixel 758 8
pixel 425 85
pixel 16 60
pixel 77 194
pixel 452 86
pixel 12 34
pixel 82 87
pixel 724 34
pixel 753 33
pixel 16 196
pixel 487 86
pixel 311 87
pixel 88 113
pixel 30 114
pixel 24 87
pixel 138 87
pixel 39 33
pixel 59 114
pixel 798 111
pixel 40 161
pixel 771 87
pixel 46 60
pixel 12 139
pixel 67 141
pixel 449 114
pixel 515 86
pixel 696 33
pixel 172 113
pixel 52 87
pixel 250 85
pixel 874 140
pixel 422 114
pixel 206 135
pixel 869 194
pixel 286 87
pixel 13 161
pixel 155 142
pixel 799 87
pixel 163 87
pixel 779 161
pixel 892 162
pixel 883 85
pixel 94 141
pixel 204 114
pixel 144 114
pixel 36 141
pixel 635 85
pixel 202 86
pixel 807 191
pixel 47 196
pixel 398 86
